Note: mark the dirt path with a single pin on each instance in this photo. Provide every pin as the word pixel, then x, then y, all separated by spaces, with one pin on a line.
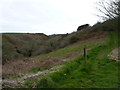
pixel 19 81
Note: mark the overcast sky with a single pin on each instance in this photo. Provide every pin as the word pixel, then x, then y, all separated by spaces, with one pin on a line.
pixel 46 16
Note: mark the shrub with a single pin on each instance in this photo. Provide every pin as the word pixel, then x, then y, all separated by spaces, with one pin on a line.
pixel 53 43
pixel 28 49
pixel 73 39
pixel 64 43
pixel 41 50
pixel 9 52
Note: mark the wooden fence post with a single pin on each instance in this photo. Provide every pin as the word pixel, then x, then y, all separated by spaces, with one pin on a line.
pixel 85 53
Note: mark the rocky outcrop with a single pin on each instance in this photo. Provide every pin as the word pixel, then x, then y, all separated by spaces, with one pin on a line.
pixel 114 55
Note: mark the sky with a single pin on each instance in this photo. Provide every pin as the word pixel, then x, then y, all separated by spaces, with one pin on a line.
pixel 46 16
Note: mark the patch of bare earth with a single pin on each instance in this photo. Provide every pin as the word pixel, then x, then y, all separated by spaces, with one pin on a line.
pixel 12 83
pixel 46 62
pixel 26 65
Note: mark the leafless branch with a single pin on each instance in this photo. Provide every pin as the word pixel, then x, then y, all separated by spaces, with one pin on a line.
pixel 109 9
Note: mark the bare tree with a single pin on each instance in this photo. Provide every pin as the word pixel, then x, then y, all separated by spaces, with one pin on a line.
pixel 110 9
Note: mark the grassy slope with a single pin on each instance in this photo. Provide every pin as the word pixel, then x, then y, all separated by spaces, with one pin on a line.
pixel 97 72
pixel 76 47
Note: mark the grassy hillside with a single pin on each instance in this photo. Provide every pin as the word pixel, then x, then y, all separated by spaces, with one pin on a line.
pixel 97 72
pixel 24 45
pixel 66 50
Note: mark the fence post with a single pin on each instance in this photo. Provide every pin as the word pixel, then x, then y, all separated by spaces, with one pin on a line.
pixel 85 53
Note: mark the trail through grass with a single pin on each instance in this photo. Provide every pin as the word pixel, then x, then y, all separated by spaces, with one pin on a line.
pixel 97 72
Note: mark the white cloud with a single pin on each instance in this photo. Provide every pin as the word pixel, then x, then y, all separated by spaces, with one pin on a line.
pixel 45 16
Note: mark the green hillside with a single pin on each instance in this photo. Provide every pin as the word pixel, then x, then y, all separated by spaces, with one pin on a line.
pixel 97 71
